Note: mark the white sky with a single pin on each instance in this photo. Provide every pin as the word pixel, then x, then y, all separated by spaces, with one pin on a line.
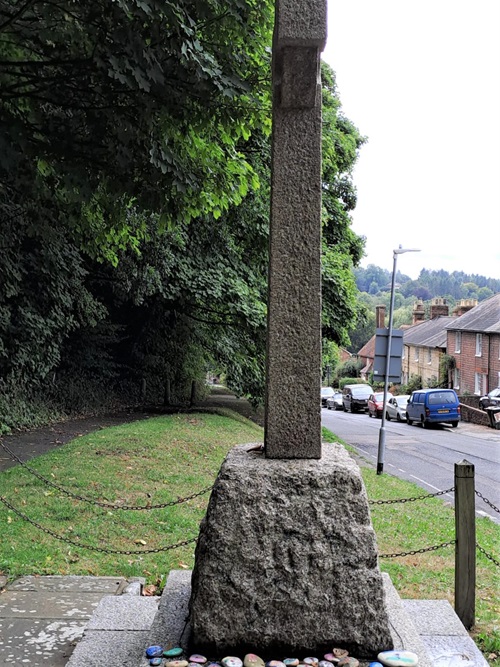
pixel 422 81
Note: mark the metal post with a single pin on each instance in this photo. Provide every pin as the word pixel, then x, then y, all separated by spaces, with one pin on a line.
pixel 465 547
pixel 381 435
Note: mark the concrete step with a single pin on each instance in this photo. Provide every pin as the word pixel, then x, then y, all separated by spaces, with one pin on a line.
pixel 122 628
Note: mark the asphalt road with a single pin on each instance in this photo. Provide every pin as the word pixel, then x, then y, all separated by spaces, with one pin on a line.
pixel 426 457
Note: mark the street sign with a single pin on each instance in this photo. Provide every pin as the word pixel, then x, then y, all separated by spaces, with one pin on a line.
pixel 381 341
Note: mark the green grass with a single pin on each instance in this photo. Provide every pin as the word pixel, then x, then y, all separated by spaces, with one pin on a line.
pixel 157 460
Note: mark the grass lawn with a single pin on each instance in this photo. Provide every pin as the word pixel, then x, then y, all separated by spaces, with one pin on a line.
pixel 158 460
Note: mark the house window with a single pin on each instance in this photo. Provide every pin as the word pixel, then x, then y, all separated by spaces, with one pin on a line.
pixel 417 353
pixel 458 340
pixel 456 378
pixel 479 345
pixel 477 384
pixel 429 355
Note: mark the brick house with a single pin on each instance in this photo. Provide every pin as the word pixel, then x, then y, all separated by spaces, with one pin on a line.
pixel 424 345
pixel 473 339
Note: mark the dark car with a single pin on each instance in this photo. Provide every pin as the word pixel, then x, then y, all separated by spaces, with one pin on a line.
pixel 335 402
pixel 492 399
pixel 355 397
pixel 376 404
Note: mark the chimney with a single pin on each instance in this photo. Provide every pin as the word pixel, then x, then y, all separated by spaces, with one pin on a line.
pixel 463 306
pixel 439 307
pixel 380 317
pixel 418 312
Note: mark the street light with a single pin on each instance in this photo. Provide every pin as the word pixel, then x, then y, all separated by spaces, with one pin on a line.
pixel 381 438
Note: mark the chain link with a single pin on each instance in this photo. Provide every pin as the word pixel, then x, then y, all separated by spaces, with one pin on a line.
pixel 489 556
pixel 98 503
pixel 488 502
pixel 128 552
pixel 419 551
pixel 410 500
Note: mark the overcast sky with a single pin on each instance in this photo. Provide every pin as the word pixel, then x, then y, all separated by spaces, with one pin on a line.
pixel 422 81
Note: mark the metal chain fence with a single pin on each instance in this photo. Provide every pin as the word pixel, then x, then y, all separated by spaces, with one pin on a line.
pixel 98 503
pixel 410 500
pixel 419 551
pixel 104 550
pixel 180 500
pixel 488 502
pixel 489 556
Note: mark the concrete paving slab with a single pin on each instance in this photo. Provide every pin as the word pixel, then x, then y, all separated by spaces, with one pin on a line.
pixel 43 618
pixel 38 642
pixel 26 604
pixel 103 648
pixel 110 585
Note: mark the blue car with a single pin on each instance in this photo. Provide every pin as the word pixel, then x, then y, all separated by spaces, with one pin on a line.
pixel 433 406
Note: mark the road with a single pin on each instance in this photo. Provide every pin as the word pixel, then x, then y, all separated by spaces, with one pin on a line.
pixel 426 457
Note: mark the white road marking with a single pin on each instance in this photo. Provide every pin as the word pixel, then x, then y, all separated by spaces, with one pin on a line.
pixel 426 483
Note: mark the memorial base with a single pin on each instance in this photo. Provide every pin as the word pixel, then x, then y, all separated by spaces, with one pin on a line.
pixel 286 560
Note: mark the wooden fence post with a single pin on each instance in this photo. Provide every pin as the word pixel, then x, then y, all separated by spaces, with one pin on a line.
pixel 465 547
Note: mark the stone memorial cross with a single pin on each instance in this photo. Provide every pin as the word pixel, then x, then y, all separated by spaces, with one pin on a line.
pixel 293 416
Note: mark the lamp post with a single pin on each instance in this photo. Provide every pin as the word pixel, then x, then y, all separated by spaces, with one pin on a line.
pixel 381 438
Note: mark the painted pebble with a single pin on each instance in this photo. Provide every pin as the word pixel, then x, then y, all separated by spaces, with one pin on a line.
pixel 154 651
pixel 156 661
pixel 231 661
pixel 252 660
pixel 275 663
pixel 176 663
pixel 311 661
pixel 213 663
pixel 325 663
pixel 375 664
pixel 348 661
pixel 398 658
pixel 200 659
pixel 340 652
pixel 291 662
pixel 330 657
pixel 172 652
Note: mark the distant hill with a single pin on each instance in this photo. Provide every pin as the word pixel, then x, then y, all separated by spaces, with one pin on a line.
pixel 429 284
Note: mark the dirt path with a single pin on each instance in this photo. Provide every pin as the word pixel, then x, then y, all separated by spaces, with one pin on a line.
pixel 27 445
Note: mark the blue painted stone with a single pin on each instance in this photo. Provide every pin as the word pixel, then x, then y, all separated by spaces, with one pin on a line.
pixel 155 661
pixel 398 658
pixel 291 662
pixel 154 651
pixel 172 652
pixel 375 664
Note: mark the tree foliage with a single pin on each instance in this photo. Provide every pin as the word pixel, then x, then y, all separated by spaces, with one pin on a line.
pixel 134 198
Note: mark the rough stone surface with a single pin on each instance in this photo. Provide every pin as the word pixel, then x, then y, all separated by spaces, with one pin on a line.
pixel 293 420
pixel 286 560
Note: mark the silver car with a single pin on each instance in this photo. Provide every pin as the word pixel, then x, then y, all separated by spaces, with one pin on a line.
pixel 335 402
pixel 396 407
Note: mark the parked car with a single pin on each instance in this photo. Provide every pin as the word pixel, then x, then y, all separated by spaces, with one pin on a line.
pixel 396 408
pixel 376 404
pixel 492 399
pixel 355 397
pixel 326 392
pixel 433 406
pixel 335 402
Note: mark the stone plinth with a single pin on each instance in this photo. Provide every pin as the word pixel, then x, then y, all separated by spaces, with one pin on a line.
pixel 286 561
